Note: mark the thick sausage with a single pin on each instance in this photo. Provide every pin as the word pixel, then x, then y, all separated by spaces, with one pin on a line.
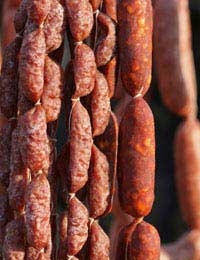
pixel 135 44
pixel 136 164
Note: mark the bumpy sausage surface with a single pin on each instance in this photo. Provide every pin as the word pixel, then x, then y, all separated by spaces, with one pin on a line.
pixel 84 70
pixel 31 65
pixel 77 233
pixel 100 105
pixel 38 212
pixel 108 144
pixel 99 243
pixel 99 189
pixel 34 143
pixel 145 243
pixel 80 18
pixel 80 147
pixel 136 164
pixel 135 44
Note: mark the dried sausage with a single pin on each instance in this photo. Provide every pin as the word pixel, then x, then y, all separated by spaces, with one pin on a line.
pixel 99 243
pixel 80 18
pixel 38 212
pixel 80 147
pixel 54 26
pixel 84 70
pixel 53 86
pixel 38 11
pixel 124 239
pixel 187 170
pixel 110 73
pixel 175 65
pixel 108 144
pixel 34 143
pixel 19 175
pixel 135 44
pixel 77 233
pixel 110 8
pixel 31 65
pixel 100 105
pixel 106 46
pixel 145 243
pixel 136 159
pixel 99 189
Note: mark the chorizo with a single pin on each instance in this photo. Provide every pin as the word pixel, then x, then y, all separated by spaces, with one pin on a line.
pixel 136 164
pixel 80 147
pixel 77 232
pixel 175 65
pixel 98 183
pixel 31 65
pixel 99 243
pixel 84 70
pixel 145 243
pixel 80 18
pixel 135 44
pixel 38 212
pixel 187 170
pixel 53 88
pixel 34 143
pixel 100 105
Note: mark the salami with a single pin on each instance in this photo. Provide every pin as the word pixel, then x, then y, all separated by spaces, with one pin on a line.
pixel 77 226
pixel 98 183
pixel 34 143
pixel 106 46
pixel 31 65
pixel 100 105
pixel 38 212
pixel 99 243
pixel 80 18
pixel 80 147
pixel 84 70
